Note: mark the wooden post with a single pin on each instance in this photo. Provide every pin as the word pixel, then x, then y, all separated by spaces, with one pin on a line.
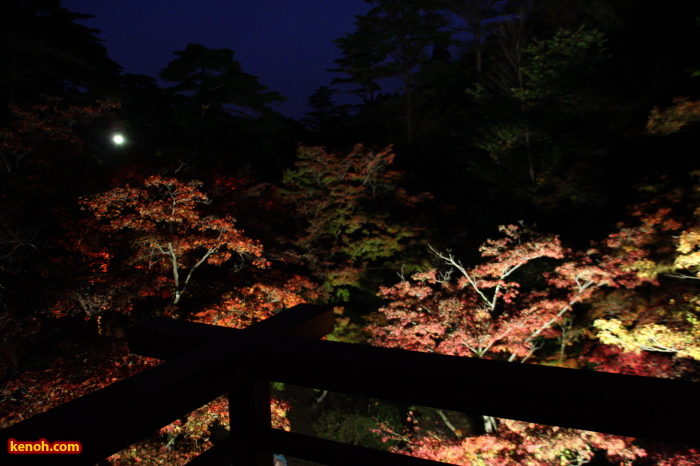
pixel 249 403
pixel 250 414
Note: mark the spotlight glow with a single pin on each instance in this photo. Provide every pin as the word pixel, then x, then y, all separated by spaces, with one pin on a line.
pixel 118 139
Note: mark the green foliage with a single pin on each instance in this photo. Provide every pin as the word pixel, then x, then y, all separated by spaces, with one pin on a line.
pixel 556 67
pixel 355 420
pixel 348 331
pixel 279 386
pixel 348 204
pixel 542 102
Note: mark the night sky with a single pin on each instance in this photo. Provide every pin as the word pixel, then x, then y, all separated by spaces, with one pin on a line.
pixel 286 43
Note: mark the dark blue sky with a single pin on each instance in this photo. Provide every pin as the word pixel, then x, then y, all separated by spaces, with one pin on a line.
pixel 286 43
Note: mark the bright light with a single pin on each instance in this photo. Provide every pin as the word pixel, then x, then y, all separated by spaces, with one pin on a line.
pixel 118 139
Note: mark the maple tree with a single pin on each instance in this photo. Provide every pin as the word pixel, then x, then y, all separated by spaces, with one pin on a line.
pixel 345 202
pixel 661 240
pixel 145 238
pixel 168 230
pixel 258 205
pixel 522 298
pixel 246 305
pixel 659 243
pixel 664 338
pixel 485 311
pixel 80 369
pixel 520 443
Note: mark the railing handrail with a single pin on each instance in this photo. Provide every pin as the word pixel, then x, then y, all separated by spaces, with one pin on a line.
pixel 218 360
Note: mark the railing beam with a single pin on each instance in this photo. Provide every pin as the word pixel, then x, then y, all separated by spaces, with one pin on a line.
pixel 640 407
pixel 164 338
pixel 112 418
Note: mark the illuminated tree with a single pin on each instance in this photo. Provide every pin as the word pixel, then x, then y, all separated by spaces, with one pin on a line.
pixel 520 443
pixel 345 202
pixel 684 343
pixel 659 243
pixel 485 311
pixel 80 369
pixel 520 299
pixel 271 294
pixel 168 232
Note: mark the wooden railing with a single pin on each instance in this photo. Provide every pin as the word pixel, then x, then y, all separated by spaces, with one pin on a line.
pixel 204 362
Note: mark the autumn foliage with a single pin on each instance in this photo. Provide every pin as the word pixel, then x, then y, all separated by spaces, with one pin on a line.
pixel 672 119
pixel 208 214
pixel 170 244
pixel 347 203
pixel 485 310
pixel 529 299
pixel 167 231
pixel 524 443
pixel 526 301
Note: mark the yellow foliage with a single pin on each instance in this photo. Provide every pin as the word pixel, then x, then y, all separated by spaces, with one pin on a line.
pixel 685 343
pixel 689 251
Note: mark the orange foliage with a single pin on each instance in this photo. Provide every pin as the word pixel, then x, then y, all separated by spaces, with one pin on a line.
pixel 674 118
pixel 519 443
pixel 163 222
pixel 250 304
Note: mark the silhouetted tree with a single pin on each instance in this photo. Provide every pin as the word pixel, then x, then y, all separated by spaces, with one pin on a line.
pixel 391 41
pixel 213 89
pixel 326 119
pixel 45 51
